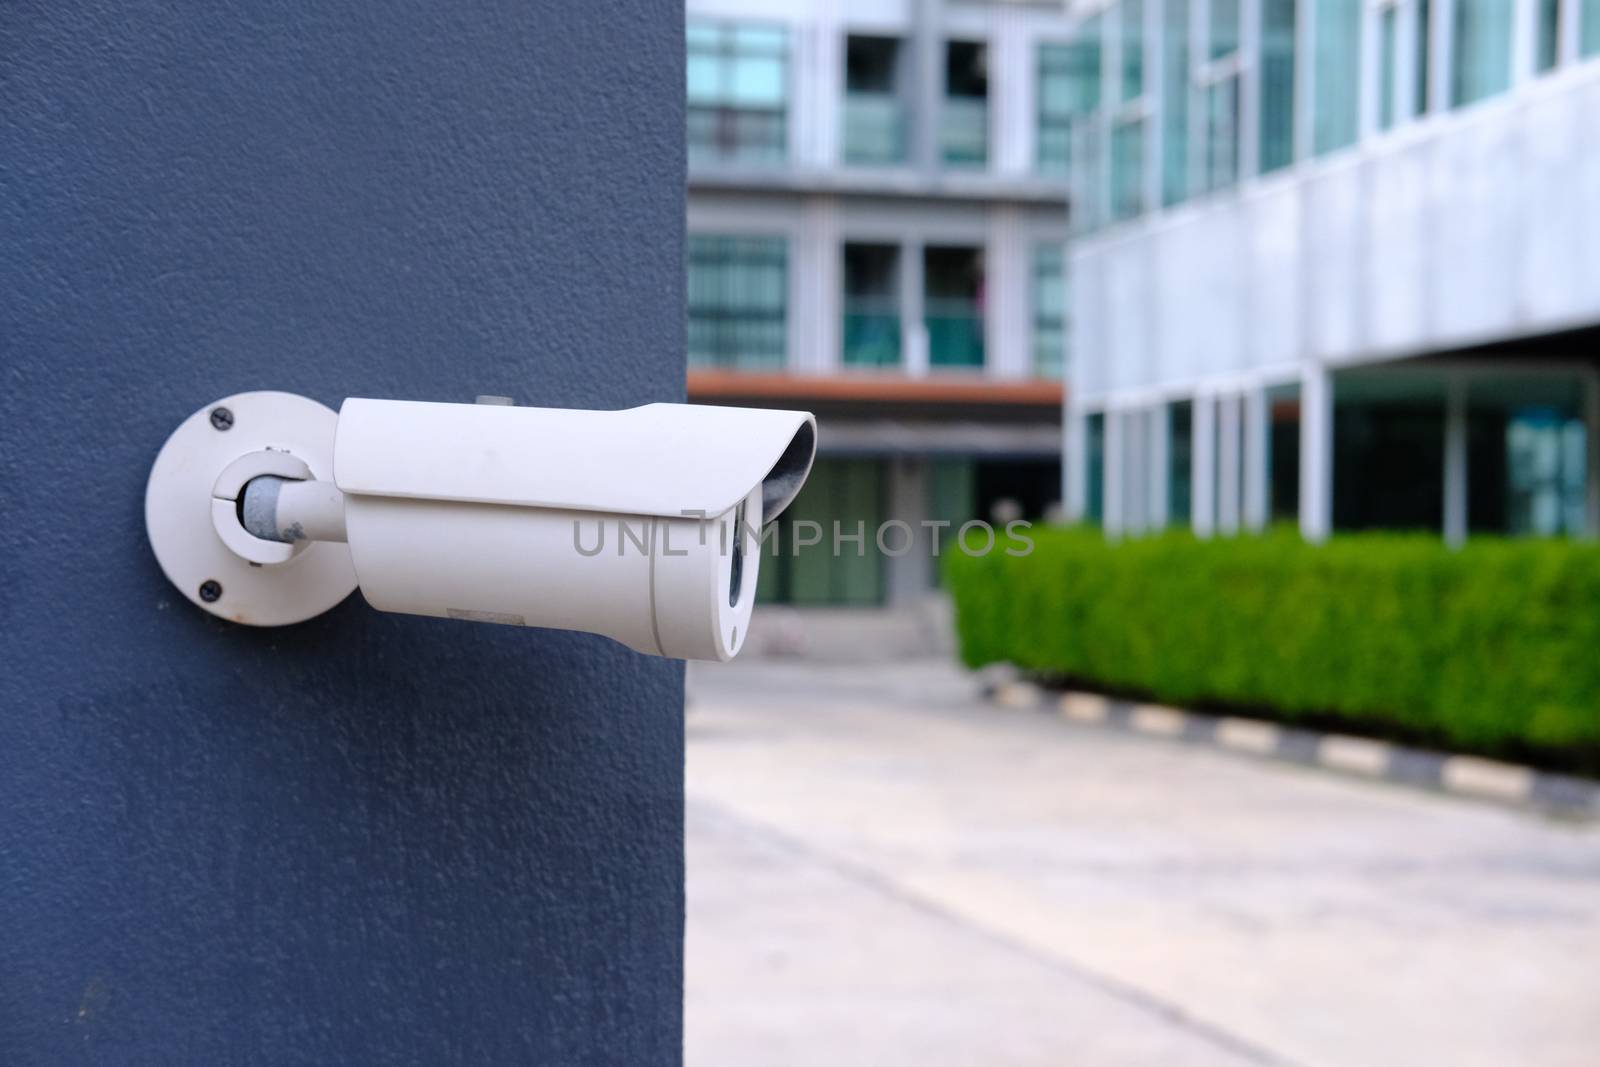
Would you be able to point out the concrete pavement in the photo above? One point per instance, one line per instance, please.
(883, 870)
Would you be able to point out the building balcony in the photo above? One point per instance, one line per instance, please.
(874, 129)
(964, 131)
(742, 137)
(871, 333)
(955, 333)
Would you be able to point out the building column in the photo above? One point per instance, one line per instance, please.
(1012, 108)
(819, 85)
(1257, 458)
(1112, 484)
(1250, 89)
(1441, 53)
(913, 329)
(1567, 36)
(816, 283)
(1158, 466)
(1203, 468)
(1316, 452)
(1134, 439)
(1455, 461)
(1007, 285)
(927, 52)
(1228, 463)
(908, 578)
(1305, 38)
(1524, 39)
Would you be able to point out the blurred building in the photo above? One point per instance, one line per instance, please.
(1336, 262)
(877, 226)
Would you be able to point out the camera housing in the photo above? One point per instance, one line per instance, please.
(641, 524)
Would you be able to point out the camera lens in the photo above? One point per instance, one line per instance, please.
(736, 578)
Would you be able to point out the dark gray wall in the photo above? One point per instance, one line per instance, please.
(368, 838)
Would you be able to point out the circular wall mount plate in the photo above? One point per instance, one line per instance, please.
(189, 512)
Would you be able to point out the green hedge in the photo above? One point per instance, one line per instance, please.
(1494, 647)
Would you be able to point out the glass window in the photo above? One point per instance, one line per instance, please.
(1175, 103)
(1180, 465)
(1388, 28)
(1132, 49)
(1545, 472)
(964, 119)
(841, 497)
(953, 283)
(874, 112)
(1548, 53)
(737, 92)
(871, 305)
(1481, 64)
(1049, 309)
(1094, 456)
(1069, 92)
(1217, 97)
(1589, 28)
(1222, 132)
(1277, 84)
(953, 499)
(1127, 169)
(1337, 66)
(1424, 38)
(1224, 32)
(738, 301)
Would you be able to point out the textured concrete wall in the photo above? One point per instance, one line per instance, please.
(1475, 226)
(368, 838)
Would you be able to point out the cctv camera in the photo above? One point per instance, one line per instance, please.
(643, 525)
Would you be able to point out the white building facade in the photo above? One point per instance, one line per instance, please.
(878, 229)
(1337, 262)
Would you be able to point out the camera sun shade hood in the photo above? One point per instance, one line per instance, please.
(658, 459)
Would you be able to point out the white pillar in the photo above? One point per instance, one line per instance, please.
(1249, 155)
(1134, 439)
(1406, 104)
(1455, 461)
(913, 330)
(1012, 108)
(1228, 463)
(928, 53)
(1441, 49)
(1203, 470)
(1257, 457)
(1154, 87)
(1111, 484)
(1524, 39)
(908, 576)
(819, 87)
(1305, 39)
(816, 285)
(1007, 323)
(1567, 37)
(1316, 452)
(1369, 78)
(1159, 466)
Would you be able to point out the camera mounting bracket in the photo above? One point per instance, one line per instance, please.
(191, 510)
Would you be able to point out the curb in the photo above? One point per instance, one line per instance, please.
(1362, 757)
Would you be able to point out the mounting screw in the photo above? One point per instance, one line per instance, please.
(221, 419)
(211, 589)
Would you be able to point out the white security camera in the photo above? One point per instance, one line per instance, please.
(643, 525)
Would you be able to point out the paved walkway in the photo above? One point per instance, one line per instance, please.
(884, 871)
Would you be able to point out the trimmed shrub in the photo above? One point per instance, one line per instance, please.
(1494, 647)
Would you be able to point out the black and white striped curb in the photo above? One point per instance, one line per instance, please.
(1472, 776)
